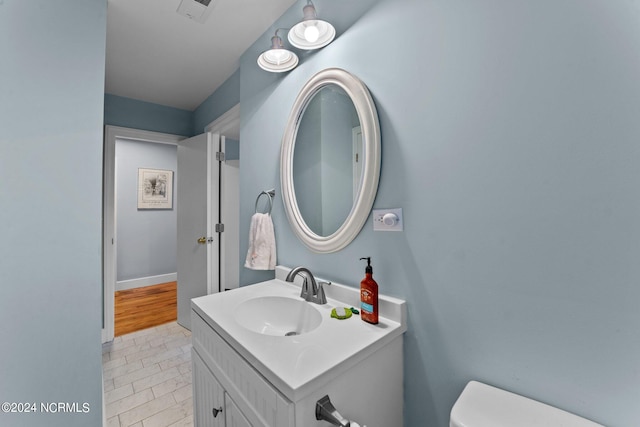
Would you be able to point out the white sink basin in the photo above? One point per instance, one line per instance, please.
(278, 316)
(255, 319)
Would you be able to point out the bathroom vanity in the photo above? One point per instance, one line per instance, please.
(262, 356)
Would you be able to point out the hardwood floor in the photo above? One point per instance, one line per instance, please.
(143, 308)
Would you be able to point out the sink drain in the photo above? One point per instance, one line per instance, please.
(290, 334)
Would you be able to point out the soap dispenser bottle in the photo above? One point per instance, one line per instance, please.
(369, 295)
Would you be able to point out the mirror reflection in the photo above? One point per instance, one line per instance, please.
(327, 160)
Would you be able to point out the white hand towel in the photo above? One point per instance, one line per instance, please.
(262, 243)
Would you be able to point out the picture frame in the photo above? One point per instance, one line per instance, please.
(155, 189)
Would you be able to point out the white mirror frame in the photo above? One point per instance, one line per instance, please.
(363, 202)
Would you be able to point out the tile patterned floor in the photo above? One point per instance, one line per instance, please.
(147, 378)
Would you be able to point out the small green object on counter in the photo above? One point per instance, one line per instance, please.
(341, 313)
(354, 310)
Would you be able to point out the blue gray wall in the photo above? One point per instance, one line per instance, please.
(218, 103)
(134, 114)
(510, 139)
(146, 237)
(51, 116)
(232, 149)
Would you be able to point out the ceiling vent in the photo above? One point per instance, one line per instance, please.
(196, 10)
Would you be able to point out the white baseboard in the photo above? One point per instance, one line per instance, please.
(145, 281)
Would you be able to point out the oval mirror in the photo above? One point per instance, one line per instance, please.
(330, 160)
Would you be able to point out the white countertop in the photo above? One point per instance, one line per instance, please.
(298, 364)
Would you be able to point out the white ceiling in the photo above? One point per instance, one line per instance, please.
(156, 55)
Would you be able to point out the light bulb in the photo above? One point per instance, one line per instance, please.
(277, 56)
(311, 33)
(277, 59)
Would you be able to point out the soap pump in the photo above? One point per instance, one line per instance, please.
(369, 295)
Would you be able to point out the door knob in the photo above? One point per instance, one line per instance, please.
(202, 240)
(216, 411)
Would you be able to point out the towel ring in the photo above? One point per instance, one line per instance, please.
(270, 194)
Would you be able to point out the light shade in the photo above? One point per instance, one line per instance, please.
(311, 33)
(277, 59)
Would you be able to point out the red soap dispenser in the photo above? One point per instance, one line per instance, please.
(369, 295)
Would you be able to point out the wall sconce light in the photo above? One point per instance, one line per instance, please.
(277, 59)
(311, 33)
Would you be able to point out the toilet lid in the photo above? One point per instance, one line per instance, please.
(481, 405)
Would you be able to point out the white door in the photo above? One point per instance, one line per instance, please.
(197, 211)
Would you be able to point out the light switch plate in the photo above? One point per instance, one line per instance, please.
(387, 220)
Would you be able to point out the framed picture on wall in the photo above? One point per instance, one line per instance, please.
(155, 189)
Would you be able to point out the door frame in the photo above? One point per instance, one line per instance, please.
(226, 122)
(109, 238)
(226, 125)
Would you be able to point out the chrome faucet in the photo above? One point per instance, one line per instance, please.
(311, 290)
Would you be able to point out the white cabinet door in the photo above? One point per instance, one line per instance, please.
(208, 396)
(234, 416)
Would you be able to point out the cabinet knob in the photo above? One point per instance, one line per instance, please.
(216, 411)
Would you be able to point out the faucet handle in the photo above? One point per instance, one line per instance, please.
(304, 291)
(320, 297)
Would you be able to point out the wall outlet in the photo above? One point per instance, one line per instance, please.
(387, 220)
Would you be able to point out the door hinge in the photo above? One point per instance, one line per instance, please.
(219, 228)
(220, 156)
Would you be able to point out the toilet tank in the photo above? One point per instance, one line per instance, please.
(481, 405)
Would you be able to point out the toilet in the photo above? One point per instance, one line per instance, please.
(482, 405)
